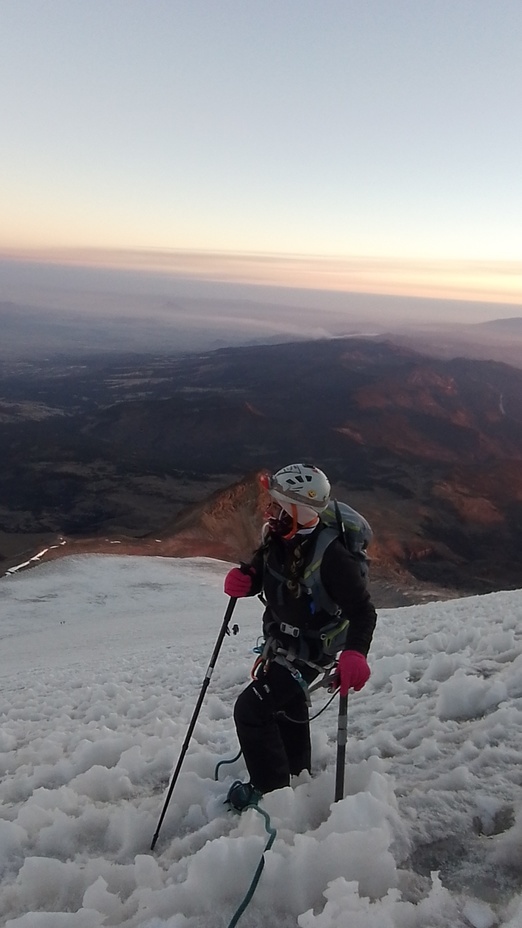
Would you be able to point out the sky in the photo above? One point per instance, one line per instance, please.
(357, 146)
(101, 664)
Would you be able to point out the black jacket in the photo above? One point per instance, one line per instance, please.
(288, 602)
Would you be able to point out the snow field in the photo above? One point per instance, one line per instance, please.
(102, 662)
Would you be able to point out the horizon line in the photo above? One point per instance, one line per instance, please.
(492, 281)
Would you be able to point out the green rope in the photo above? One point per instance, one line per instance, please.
(221, 762)
(272, 833)
(252, 888)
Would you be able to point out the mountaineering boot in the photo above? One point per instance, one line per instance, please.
(243, 796)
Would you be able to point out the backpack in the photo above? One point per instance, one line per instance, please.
(354, 530)
(340, 521)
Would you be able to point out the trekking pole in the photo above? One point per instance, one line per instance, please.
(342, 718)
(342, 729)
(212, 663)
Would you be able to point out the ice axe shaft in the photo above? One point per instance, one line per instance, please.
(212, 663)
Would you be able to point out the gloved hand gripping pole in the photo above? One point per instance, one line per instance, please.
(212, 663)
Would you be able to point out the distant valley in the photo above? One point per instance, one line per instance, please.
(147, 448)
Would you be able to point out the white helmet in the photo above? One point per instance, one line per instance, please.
(301, 489)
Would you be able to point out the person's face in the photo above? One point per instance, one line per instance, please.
(278, 519)
(273, 510)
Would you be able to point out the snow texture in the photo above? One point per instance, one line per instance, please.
(102, 661)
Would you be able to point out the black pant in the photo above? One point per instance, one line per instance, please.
(274, 747)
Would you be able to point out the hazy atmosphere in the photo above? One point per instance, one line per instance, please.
(362, 147)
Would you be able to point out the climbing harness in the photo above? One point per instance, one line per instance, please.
(271, 651)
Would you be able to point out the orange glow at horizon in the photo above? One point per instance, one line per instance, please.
(480, 281)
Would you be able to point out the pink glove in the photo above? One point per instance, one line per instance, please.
(352, 671)
(238, 582)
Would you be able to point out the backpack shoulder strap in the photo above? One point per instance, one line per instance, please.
(312, 573)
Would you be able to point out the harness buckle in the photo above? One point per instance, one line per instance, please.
(291, 630)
